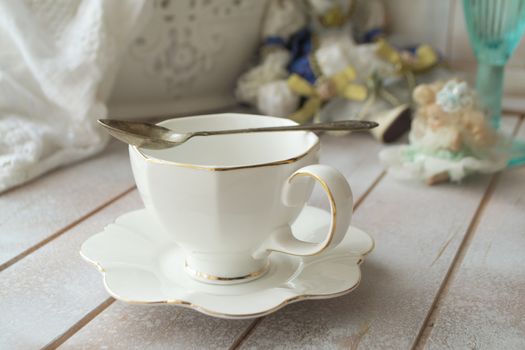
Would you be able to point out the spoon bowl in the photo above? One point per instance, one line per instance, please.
(145, 135)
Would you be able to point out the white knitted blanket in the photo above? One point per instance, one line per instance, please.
(58, 59)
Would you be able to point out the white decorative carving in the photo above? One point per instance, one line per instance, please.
(183, 39)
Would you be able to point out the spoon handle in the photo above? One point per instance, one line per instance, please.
(353, 125)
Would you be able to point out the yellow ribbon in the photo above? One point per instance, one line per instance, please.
(424, 58)
(333, 17)
(343, 88)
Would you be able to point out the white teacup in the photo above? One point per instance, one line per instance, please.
(228, 201)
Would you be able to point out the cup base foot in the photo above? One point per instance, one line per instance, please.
(212, 279)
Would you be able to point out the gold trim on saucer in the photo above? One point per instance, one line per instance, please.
(206, 311)
(97, 265)
(205, 276)
(243, 316)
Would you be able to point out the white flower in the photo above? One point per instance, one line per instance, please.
(454, 96)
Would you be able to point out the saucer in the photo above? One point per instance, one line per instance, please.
(141, 264)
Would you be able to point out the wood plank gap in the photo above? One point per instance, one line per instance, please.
(428, 323)
(61, 339)
(513, 112)
(367, 192)
(57, 234)
(251, 328)
(426, 328)
(245, 334)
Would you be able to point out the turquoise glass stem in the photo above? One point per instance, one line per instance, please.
(517, 153)
(495, 28)
(489, 86)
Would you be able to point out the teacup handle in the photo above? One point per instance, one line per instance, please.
(341, 204)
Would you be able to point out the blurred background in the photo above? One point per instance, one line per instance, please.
(65, 64)
(188, 57)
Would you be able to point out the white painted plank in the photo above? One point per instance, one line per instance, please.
(484, 307)
(121, 326)
(42, 207)
(46, 293)
(418, 230)
(125, 326)
(353, 155)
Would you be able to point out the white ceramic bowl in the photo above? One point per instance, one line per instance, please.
(188, 58)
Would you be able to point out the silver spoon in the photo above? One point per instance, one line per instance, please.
(151, 136)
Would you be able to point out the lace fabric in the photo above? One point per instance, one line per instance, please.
(57, 66)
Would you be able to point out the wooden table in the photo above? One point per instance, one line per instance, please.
(448, 270)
